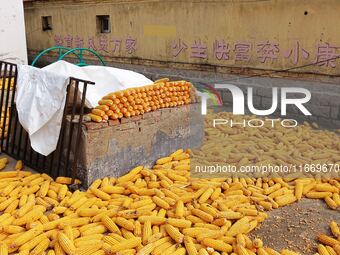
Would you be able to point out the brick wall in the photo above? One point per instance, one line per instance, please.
(114, 148)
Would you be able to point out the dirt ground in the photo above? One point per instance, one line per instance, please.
(296, 226)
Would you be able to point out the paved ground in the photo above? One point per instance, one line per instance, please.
(11, 164)
(296, 226)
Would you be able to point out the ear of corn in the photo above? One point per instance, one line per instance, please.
(327, 240)
(147, 232)
(126, 244)
(41, 247)
(3, 249)
(19, 165)
(66, 244)
(218, 245)
(335, 229)
(66, 180)
(33, 242)
(96, 118)
(174, 233)
(26, 236)
(110, 225)
(124, 223)
(89, 250)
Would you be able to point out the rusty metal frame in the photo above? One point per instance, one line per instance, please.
(63, 161)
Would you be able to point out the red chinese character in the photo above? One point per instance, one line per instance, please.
(58, 40)
(90, 44)
(221, 50)
(242, 51)
(130, 45)
(326, 55)
(199, 50)
(69, 41)
(295, 53)
(78, 42)
(267, 51)
(103, 44)
(177, 47)
(116, 45)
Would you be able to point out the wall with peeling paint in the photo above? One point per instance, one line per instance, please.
(12, 32)
(198, 34)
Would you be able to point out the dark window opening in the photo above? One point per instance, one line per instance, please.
(103, 23)
(46, 23)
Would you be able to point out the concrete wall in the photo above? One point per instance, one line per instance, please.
(12, 32)
(324, 104)
(221, 36)
(114, 148)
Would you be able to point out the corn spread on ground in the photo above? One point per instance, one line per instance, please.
(278, 145)
(151, 211)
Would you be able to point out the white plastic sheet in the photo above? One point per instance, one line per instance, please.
(41, 95)
(40, 101)
(107, 79)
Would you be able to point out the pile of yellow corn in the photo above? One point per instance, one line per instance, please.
(147, 211)
(136, 101)
(330, 245)
(3, 123)
(7, 82)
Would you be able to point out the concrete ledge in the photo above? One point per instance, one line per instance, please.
(114, 148)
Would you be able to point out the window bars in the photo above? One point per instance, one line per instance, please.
(15, 140)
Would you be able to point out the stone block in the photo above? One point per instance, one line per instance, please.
(117, 148)
(264, 92)
(114, 122)
(335, 112)
(94, 125)
(320, 111)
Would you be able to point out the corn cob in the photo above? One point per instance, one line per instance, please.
(110, 224)
(327, 240)
(66, 244)
(3, 249)
(26, 236)
(147, 232)
(174, 233)
(334, 228)
(126, 244)
(41, 247)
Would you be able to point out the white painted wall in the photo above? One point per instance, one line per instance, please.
(12, 32)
